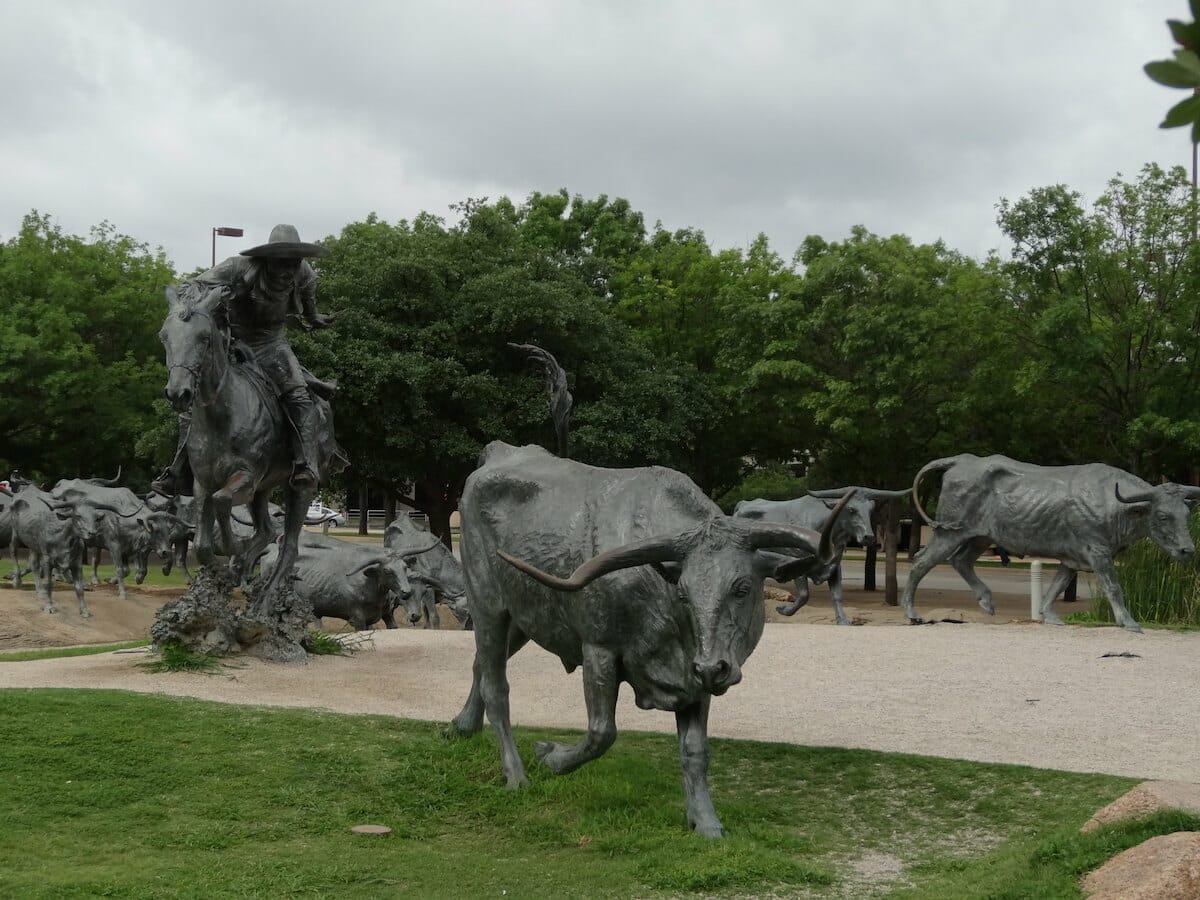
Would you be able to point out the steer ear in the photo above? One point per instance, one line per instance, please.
(372, 571)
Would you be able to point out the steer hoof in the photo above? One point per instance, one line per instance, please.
(708, 829)
(787, 609)
(85, 614)
(1052, 619)
(916, 620)
(550, 755)
(1132, 626)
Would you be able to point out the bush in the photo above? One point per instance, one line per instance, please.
(771, 482)
(1157, 589)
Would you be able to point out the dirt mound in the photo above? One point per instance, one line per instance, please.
(23, 625)
(1166, 867)
(1146, 799)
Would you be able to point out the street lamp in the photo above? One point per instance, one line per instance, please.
(224, 231)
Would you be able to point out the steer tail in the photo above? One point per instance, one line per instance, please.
(938, 465)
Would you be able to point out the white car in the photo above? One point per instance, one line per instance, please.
(318, 514)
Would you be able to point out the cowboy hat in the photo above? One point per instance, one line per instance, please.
(285, 243)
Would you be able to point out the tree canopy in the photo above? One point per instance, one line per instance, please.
(853, 361)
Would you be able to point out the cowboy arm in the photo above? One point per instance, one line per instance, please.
(226, 274)
(306, 292)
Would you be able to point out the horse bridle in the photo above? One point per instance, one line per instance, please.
(195, 372)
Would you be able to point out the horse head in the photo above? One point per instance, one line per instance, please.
(195, 335)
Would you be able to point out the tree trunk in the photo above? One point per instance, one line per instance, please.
(363, 499)
(891, 541)
(914, 530)
(433, 500)
(389, 508)
(869, 568)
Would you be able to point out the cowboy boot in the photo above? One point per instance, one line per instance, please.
(301, 412)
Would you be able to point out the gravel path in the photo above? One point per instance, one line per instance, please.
(1034, 695)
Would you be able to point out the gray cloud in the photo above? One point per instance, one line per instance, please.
(788, 118)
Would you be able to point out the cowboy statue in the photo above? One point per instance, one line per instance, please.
(262, 287)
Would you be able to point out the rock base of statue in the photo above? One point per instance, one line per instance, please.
(207, 620)
(277, 634)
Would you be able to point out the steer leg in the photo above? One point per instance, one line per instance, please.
(491, 658)
(43, 582)
(470, 719)
(601, 685)
(939, 549)
(1061, 579)
(76, 569)
(964, 564)
(119, 568)
(692, 724)
(801, 598)
(1107, 575)
(95, 566)
(835, 591)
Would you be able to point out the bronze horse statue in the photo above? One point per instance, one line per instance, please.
(238, 439)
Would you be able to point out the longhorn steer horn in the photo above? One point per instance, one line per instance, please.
(772, 534)
(373, 561)
(664, 548)
(1139, 497)
(876, 494)
(830, 493)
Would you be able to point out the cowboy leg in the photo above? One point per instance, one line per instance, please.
(282, 367)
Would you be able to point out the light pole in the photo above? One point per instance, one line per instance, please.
(224, 231)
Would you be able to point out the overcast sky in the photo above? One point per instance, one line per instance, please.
(791, 118)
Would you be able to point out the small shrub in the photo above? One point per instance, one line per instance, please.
(771, 482)
(174, 657)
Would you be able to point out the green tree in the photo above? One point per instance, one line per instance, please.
(1108, 312)
(80, 361)
(425, 312)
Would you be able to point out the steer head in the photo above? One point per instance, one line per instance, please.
(719, 567)
(162, 530)
(854, 524)
(1167, 507)
(389, 571)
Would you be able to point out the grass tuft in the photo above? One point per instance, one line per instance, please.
(174, 657)
(321, 643)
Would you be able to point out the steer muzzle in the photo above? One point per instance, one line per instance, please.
(1184, 553)
(717, 675)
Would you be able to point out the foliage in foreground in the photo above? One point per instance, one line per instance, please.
(130, 795)
(1157, 590)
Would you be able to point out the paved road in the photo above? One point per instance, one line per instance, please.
(1001, 580)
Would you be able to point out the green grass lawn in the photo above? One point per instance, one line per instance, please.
(123, 795)
(154, 575)
(54, 652)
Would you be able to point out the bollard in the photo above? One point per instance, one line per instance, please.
(1035, 590)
